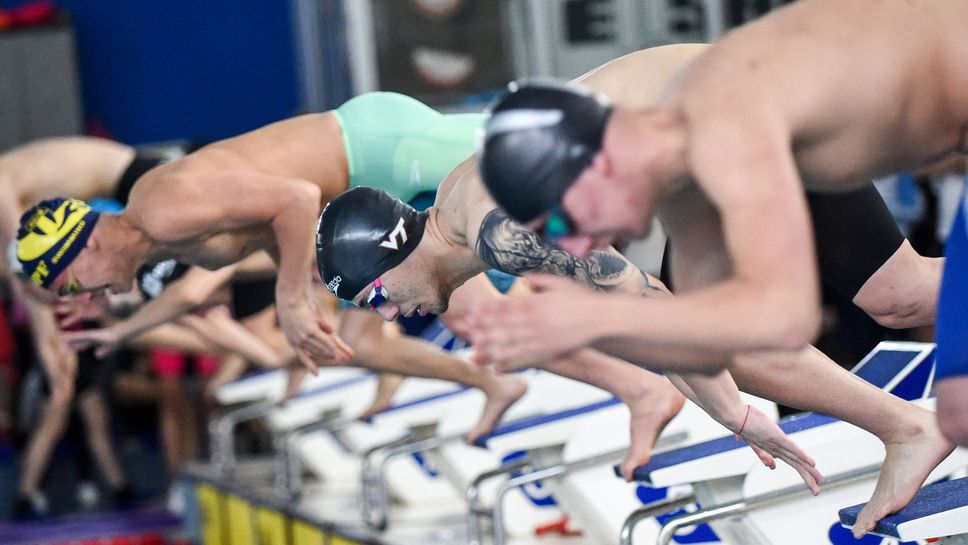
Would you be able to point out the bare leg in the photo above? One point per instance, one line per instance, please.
(404, 355)
(53, 422)
(913, 442)
(97, 424)
(652, 399)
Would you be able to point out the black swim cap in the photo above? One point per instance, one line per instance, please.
(362, 234)
(538, 140)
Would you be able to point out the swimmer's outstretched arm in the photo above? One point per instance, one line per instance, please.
(186, 294)
(217, 326)
(719, 397)
(245, 200)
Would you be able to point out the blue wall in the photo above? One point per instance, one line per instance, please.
(155, 70)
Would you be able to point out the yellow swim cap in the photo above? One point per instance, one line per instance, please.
(51, 235)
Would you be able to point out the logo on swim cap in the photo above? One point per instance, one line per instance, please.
(538, 140)
(333, 285)
(391, 240)
(50, 237)
(362, 234)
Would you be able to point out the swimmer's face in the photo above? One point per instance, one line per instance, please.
(601, 211)
(92, 272)
(410, 290)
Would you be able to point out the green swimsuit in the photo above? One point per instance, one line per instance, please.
(398, 144)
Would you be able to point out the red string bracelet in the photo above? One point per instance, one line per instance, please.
(740, 432)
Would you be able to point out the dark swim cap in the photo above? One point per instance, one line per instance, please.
(538, 140)
(51, 235)
(362, 234)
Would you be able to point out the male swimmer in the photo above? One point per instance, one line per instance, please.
(722, 160)
(260, 191)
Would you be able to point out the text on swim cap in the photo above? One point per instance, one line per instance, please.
(333, 284)
(391, 241)
(47, 228)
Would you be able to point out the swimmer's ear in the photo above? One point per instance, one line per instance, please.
(601, 164)
(92, 243)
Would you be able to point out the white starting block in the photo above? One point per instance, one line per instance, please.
(748, 504)
(271, 385)
(253, 397)
(335, 455)
(587, 489)
(937, 511)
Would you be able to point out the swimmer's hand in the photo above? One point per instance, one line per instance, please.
(769, 443)
(294, 380)
(106, 340)
(88, 306)
(311, 335)
(520, 331)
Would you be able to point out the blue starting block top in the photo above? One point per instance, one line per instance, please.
(540, 419)
(423, 400)
(902, 368)
(712, 447)
(941, 507)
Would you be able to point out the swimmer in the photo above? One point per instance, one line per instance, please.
(722, 159)
(260, 191)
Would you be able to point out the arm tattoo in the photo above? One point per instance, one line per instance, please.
(510, 247)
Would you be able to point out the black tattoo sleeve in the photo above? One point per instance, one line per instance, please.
(510, 247)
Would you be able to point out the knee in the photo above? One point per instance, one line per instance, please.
(900, 314)
(907, 297)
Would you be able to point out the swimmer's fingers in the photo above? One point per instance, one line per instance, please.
(339, 347)
(810, 475)
(297, 374)
(763, 455)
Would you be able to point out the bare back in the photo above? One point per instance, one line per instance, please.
(78, 166)
(307, 148)
(863, 88)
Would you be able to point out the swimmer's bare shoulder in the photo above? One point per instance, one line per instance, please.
(456, 198)
(637, 80)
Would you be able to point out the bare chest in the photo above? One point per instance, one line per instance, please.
(220, 249)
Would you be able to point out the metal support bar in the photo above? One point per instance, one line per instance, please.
(556, 471)
(221, 432)
(288, 468)
(374, 507)
(474, 508)
(749, 504)
(652, 510)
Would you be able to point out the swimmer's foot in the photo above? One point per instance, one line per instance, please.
(908, 461)
(386, 388)
(506, 390)
(652, 408)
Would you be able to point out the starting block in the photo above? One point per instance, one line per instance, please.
(938, 510)
(749, 504)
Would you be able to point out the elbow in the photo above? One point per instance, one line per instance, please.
(309, 194)
(791, 324)
(800, 326)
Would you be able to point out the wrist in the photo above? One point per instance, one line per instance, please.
(738, 418)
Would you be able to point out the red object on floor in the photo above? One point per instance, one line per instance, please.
(559, 527)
